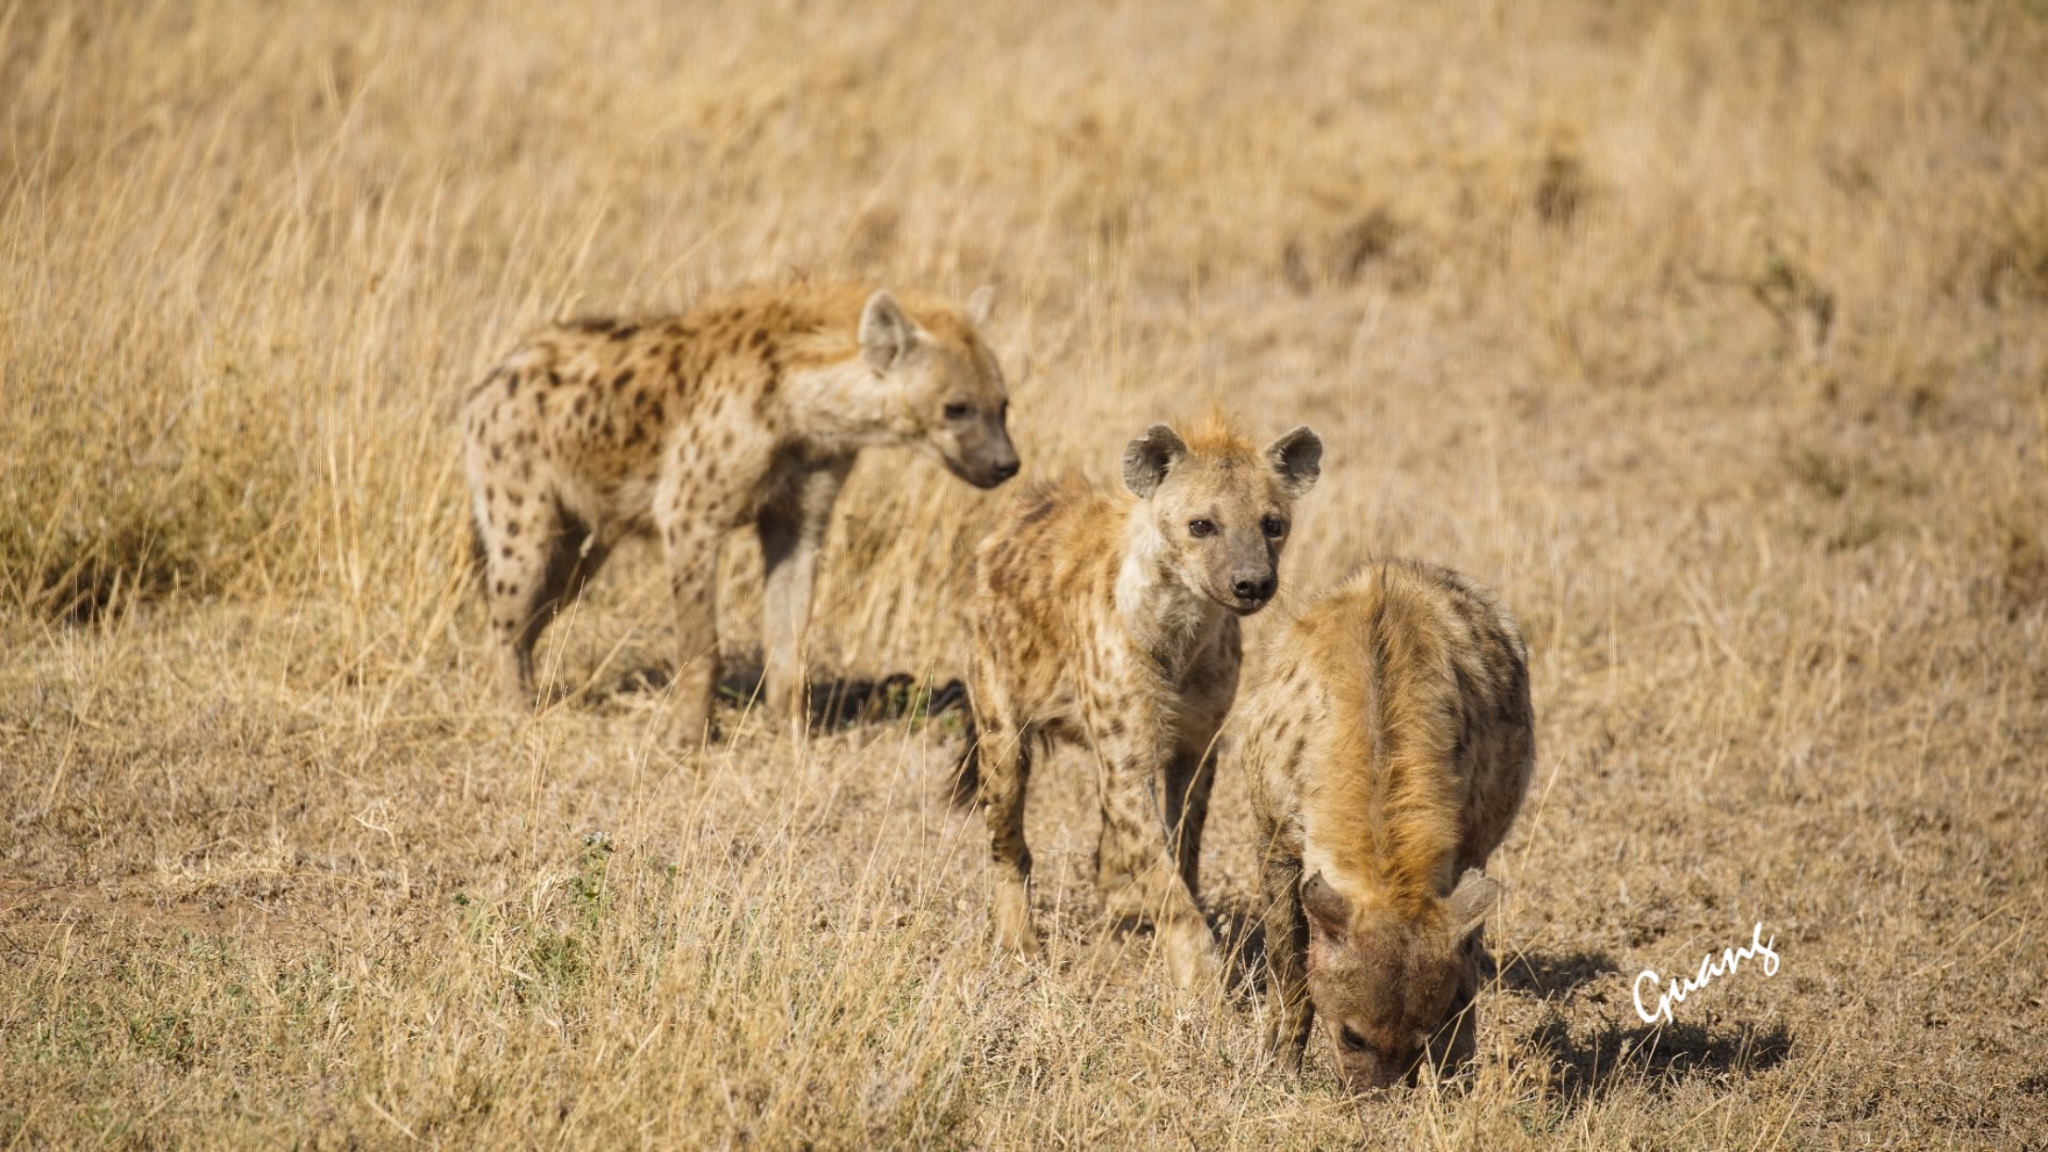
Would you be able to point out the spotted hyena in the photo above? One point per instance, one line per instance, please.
(748, 409)
(1113, 621)
(1388, 741)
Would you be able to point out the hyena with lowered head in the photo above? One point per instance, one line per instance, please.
(1389, 740)
(748, 409)
(1112, 620)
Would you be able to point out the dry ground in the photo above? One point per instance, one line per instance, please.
(1715, 338)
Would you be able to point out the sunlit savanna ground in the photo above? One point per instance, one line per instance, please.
(1715, 337)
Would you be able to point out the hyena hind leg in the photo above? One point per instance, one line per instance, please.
(537, 560)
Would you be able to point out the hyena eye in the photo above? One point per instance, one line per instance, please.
(1274, 527)
(1201, 528)
(956, 411)
(1352, 1041)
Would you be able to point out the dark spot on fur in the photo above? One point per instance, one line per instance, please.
(511, 385)
(506, 551)
(497, 453)
(659, 414)
(512, 528)
(620, 381)
(1038, 511)
(626, 333)
(760, 339)
(582, 402)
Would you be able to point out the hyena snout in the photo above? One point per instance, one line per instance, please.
(1248, 584)
(985, 456)
(1253, 588)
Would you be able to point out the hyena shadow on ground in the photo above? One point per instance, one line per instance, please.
(1544, 975)
(835, 702)
(1657, 1056)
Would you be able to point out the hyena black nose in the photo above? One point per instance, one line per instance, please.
(1254, 589)
(1007, 469)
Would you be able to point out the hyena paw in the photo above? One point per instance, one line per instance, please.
(1191, 956)
(1282, 1045)
(1014, 932)
(690, 728)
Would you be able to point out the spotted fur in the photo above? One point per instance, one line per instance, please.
(748, 409)
(1111, 620)
(1388, 742)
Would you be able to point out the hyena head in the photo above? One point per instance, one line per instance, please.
(1391, 988)
(1222, 507)
(945, 388)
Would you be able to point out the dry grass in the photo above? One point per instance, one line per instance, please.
(1715, 338)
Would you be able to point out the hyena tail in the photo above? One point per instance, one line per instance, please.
(965, 787)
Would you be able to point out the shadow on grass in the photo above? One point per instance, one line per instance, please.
(1654, 1056)
(835, 703)
(1544, 975)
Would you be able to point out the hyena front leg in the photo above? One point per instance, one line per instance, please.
(1286, 955)
(1191, 773)
(1134, 856)
(792, 529)
(1004, 764)
(1189, 777)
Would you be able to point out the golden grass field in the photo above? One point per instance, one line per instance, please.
(1714, 337)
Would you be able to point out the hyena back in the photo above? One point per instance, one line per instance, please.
(1389, 741)
(1112, 621)
(748, 409)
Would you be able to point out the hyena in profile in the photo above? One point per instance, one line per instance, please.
(748, 409)
(1389, 740)
(1113, 622)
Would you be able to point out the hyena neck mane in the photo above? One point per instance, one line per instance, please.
(1382, 778)
(1162, 615)
(845, 406)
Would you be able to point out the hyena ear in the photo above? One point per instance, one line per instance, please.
(1326, 907)
(981, 305)
(1147, 459)
(886, 333)
(1474, 897)
(1298, 458)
